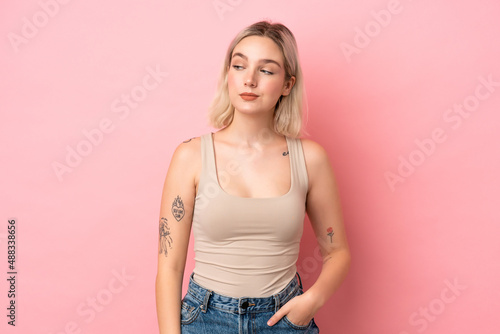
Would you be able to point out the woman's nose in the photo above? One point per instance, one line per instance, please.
(250, 79)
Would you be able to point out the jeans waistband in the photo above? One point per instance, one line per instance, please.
(243, 305)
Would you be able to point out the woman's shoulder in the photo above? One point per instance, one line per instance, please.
(314, 153)
(187, 152)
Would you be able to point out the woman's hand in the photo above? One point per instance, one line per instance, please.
(299, 310)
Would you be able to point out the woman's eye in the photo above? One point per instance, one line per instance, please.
(237, 67)
(267, 72)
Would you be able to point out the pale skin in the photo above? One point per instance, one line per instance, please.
(264, 172)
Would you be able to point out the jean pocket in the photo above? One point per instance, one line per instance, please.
(190, 309)
(294, 326)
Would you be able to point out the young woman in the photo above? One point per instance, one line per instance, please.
(244, 190)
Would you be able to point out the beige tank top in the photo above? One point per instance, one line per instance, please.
(247, 247)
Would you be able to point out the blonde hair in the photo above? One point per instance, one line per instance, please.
(288, 109)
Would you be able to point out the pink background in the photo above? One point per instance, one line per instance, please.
(66, 72)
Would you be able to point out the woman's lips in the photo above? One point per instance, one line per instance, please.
(248, 96)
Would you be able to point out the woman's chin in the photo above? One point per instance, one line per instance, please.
(249, 109)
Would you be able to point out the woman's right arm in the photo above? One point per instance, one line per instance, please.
(175, 220)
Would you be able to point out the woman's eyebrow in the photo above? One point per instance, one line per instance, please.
(239, 54)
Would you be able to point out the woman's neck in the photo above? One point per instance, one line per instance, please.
(251, 129)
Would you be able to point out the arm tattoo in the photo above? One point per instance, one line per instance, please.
(285, 153)
(187, 141)
(178, 208)
(329, 232)
(165, 238)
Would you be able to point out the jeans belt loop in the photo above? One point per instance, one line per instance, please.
(300, 280)
(204, 307)
(276, 302)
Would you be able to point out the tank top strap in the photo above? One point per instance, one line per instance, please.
(298, 162)
(207, 157)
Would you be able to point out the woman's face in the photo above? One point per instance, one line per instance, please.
(256, 67)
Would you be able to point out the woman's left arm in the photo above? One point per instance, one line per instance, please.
(325, 213)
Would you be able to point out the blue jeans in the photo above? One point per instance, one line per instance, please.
(204, 311)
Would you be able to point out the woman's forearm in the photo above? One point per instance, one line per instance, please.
(168, 301)
(335, 268)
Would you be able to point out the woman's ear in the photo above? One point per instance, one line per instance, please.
(287, 88)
